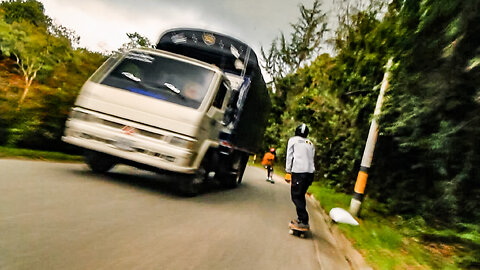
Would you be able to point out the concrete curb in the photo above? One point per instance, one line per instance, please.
(333, 249)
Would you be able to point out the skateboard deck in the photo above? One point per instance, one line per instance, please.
(296, 231)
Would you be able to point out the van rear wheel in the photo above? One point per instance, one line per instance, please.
(233, 179)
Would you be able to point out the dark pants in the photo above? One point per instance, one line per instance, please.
(269, 171)
(300, 184)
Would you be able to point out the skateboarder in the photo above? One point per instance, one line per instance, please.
(299, 162)
(268, 161)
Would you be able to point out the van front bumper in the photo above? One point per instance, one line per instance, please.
(130, 147)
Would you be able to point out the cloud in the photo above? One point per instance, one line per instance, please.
(103, 27)
(102, 24)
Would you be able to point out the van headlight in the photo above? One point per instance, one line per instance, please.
(79, 115)
(184, 143)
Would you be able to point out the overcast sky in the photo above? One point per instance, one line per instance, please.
(102, 24)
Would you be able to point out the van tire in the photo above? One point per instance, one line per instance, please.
(233, 179)
(189, 188)
(98, 162)
(191, 185)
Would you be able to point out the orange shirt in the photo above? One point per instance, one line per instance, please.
(268, 159)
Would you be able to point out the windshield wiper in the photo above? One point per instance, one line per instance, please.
(131, 76)
(174, 89)
(168, 86)
(134, 78)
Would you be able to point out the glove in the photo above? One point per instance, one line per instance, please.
(288, 177)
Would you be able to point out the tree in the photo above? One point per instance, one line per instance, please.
(63, 32)
(135, 40)
(346, 10)
(32, 48)
(286, 56)
(30, 11)
(38, 56)
(432, 113)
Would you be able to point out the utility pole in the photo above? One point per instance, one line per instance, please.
(361, 182)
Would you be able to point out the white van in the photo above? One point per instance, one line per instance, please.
(161, 111)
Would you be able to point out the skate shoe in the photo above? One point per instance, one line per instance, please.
(299, 224)
(294, 221)
(303, 226)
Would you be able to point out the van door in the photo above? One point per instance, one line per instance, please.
(217, 109)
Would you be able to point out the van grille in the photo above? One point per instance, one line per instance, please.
(112, 124)
(139, 131)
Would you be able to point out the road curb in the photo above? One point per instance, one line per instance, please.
(333, 249)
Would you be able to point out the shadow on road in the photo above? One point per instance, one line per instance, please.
(165, 184)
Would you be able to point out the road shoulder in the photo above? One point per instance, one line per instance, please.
(333, 249)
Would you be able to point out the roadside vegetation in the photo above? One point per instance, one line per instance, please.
(396, 242)
(424, 177)
(423, 191)
(6, 152)
(42, 69)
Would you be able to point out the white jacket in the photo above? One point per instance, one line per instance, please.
(300, 154)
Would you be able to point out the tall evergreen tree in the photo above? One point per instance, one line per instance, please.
(286, 56)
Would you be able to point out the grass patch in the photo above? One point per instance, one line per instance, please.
(388, 242)
(37, 155)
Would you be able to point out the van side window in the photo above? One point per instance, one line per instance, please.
(218, 102)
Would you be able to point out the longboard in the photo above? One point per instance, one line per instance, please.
(296, 231)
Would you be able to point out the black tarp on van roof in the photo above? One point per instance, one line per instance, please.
(207, 46)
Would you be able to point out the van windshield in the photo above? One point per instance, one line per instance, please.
(161, 78)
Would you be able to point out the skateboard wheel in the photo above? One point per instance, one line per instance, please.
(290, 232)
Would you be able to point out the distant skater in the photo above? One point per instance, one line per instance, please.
(300, 155)
(268, 161)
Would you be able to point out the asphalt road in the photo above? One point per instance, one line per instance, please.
(62, 216)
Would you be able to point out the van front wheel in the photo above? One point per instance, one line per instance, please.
(98, 162)
(191, 185)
